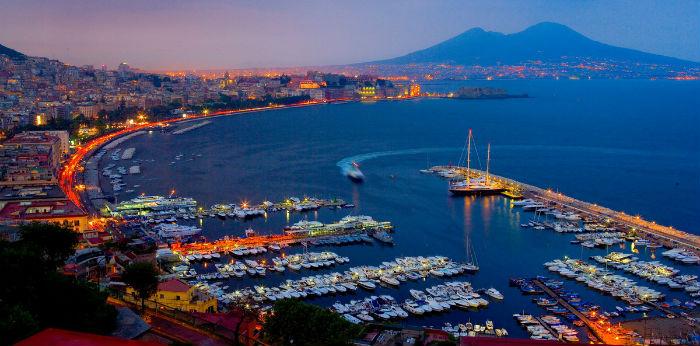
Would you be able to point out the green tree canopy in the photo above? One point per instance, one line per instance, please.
(143, 278)
(37, 296)
(298, 323)
(52, 244)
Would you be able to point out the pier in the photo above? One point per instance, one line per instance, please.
(548, 327)
(191, 127)
(598, 334)
(666, 235)
(230, 244)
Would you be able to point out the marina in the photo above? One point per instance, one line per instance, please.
(390, 274)
(542, 200)
(424, 216)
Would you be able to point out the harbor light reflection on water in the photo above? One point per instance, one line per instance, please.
(286, 160)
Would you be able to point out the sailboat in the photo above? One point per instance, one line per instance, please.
(480, 186)
(472, 266)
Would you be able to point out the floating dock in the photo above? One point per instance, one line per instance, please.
(128, 153)
(230, 244)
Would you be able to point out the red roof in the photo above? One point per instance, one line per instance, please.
(40, 210)
(62, 337)
(32, 138)
(173, 285)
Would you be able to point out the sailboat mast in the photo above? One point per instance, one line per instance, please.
(488, 160)
(469, 152)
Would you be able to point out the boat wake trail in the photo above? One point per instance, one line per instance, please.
(346, 163)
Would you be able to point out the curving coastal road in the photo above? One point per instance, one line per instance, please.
(73, 166)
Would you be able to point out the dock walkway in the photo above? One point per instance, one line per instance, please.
(669, 236)
(598, 334)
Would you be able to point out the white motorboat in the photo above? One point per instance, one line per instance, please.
(494, 293)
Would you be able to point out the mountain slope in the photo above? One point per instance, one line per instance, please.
(13, 54)
(543, 41)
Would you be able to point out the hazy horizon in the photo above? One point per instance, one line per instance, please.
(214, 34)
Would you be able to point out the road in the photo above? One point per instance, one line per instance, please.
(73, 166)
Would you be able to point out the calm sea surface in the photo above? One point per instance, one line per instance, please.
(628, 145)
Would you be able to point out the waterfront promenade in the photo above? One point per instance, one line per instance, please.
(666, 235)
(75, 191)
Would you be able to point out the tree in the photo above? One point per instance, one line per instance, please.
(248, 312)
(143, 278)
(52, 244)
(299, 323)
(38, 296)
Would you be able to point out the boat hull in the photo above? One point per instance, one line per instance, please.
(461, 191)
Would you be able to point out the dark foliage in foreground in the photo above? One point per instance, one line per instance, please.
(35, 295)
(298, 323)
(143, 278)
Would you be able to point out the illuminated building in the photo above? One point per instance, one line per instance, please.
(30, 158)
(89, 110)
(178, 295)
(308, 84)
(40, 119)
(367, 91)
(414, 90)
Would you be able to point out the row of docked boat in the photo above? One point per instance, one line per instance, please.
(154, 208)
(341, 240)
(346, 224)
(251, 267)
(212, 256)
(472, 329)
(530, 204)
(438, 298)
(604, 239)
(561, 330)
(603, 280)
(566, 227)
(594, 236)
(598, 227)
(420, 266)
(369, 309)
(548, 326)
(443, 297)
(682, 255)
(310, 286)
(310, 260)
(241, 251)
(559, 227)
(290, 204)
(173, 230)
(534, 327)
(309, 203)
(653, 271)
(444, 172)
(389, 274)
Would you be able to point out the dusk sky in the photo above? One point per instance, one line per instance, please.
(177, 34)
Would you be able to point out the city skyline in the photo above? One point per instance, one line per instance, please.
(215, 35)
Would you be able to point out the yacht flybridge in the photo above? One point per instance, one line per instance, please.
(475, 186)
